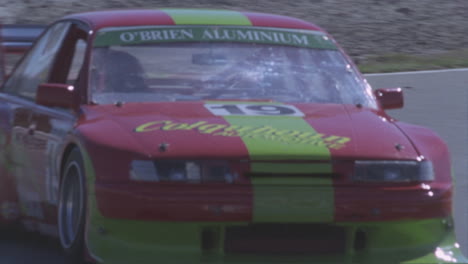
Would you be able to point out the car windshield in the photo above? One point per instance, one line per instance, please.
(173, 64)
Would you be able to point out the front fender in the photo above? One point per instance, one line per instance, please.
(430, 146)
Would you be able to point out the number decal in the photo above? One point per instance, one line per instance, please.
(229, 109)
(253, 110)
(271, 110)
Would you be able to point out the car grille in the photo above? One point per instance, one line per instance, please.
(289, 175)
(285, 239)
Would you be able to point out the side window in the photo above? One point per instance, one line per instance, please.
(77, 61)
(35, 67)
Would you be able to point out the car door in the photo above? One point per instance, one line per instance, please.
(26, 150)
(52, 125)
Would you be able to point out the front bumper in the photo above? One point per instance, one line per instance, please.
(136, 223)
(129, 241)
(273, 203)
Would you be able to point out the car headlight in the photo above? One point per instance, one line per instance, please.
(180, 171)
(393, 171)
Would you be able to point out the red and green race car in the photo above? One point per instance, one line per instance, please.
(181, 135)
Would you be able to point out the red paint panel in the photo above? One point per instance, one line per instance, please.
(373, 136)
(50, 213)
(370, 136)
(431, 146)
(56, 95)
(9, 207)
(356, 203)
(114, 144)
(224, 202)
(176, 202)
(391, 98)
(111, 164)
(183, 143)
(268, 20)
(118, 18)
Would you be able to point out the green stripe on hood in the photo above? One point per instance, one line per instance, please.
(271, 142)
(207, 17)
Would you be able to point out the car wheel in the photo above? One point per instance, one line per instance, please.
(71, 208)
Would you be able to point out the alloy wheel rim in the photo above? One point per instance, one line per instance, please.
(70, 205)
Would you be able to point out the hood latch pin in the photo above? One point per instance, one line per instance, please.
(399, 147)
(163, 147)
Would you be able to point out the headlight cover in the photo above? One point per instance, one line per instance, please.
(180, 171)
(393, 171)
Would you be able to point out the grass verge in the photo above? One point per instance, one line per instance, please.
(405, 62)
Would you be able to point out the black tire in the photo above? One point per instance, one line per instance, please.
(72, 207)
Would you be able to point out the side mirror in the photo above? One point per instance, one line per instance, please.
(56, 95)
(391, 98)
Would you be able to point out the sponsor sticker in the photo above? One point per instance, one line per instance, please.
(145, 35)
(270, 133)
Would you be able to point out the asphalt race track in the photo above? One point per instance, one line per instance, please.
(437, 99)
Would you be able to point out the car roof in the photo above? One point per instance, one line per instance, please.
(179, 16)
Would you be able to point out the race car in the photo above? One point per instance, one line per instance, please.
(193, 135)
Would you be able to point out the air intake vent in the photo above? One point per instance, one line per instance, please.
(285, 239)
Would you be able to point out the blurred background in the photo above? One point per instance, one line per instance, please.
(381, 35)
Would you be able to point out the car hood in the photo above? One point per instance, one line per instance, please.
(192, 130)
